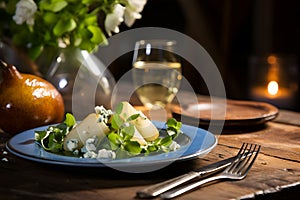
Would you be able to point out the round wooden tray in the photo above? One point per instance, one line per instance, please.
(238, 113)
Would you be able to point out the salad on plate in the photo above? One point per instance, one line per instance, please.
(123, 133)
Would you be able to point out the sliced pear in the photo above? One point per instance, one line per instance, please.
(144, 126)
(137, 137)
(87, 128)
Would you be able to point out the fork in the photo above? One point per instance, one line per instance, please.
(236, 171)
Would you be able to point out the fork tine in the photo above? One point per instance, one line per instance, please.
(243, 162)
(239, 156)
(244, 156)
(250, 160)
(244, 165)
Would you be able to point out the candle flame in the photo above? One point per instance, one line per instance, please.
(273, 88)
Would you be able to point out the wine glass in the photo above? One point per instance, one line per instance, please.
(156, 73)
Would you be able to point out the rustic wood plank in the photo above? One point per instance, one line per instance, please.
(288, 117)
(278, 140)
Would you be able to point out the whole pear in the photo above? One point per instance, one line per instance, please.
(27, 101)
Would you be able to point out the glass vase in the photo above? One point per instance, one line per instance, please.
(82, 79)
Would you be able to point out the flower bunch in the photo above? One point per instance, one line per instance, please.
(36, 24)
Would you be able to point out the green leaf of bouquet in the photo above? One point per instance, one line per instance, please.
(70, 120)
(53, 5)
(90, 20)
(35, 51)
(76, 40)
(50, 17)
(87, 45)
(87, 2)
(47, 36)
(63, 26)
(98, 36)
(21, 36)
(11, 6)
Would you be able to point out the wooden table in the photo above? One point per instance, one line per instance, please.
(275, 174)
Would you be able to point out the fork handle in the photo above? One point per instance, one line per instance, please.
(176, 192)
(159, 188)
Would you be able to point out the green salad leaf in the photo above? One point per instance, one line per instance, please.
(52, 138)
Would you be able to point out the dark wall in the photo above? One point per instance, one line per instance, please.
(230, 30)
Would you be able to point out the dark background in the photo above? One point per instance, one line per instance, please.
(231, 31)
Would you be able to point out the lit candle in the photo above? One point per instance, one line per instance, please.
(271, 83)
(273, 93)
(273, 88)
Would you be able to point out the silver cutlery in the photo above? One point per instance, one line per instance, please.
(202, 172)
(235, 171)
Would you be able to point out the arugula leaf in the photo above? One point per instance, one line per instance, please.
(116, 122)
(166, 141)
(173, 127)
(128, 132)
(115, 140)
(119, 108)
(133, 147)
(152, 148)
(174, 123)
(39, 135)
(70, 120)
(52, 138)
(132, 117)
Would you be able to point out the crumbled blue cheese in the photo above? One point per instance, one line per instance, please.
(76, 152)
(103, 113)
(90, 154)
(90, 144)
(72, 144)
(174, 146)
(90, 150)
(104, 153)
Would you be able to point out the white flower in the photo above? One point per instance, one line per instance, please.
(132, 11)
(25, 10)
(114, 19)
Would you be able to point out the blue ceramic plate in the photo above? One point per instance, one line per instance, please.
(194, 142)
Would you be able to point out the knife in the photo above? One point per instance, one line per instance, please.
(202, 172)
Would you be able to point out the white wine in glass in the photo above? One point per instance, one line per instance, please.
(156, 72)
